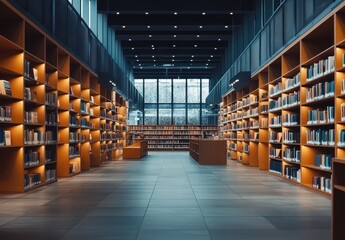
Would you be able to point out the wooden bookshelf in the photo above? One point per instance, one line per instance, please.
(55, 131)
(171, 137)
(208, 152)
(301, 118)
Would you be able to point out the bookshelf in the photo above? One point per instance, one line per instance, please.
(301, 109)
(171, 137)
(55, 131)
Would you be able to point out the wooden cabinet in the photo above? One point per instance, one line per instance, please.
(208, 152)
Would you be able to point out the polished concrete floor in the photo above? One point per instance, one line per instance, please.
(167, 196)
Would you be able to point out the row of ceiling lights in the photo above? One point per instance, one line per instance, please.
(175, 13)
(130, 39)
(148, 26)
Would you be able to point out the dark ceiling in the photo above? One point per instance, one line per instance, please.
(174, 38)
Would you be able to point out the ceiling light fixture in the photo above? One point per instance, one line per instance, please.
(123, 26)
(154, 60)
(174, 45)
(136, 56)
(141, 67)
(152, 45)
(130, 39)
(148, 26)
(153, 48)
(175, 26)
(117, 13)
(174, 35)
(195, 45)
(215, 48)
(197, 36)
(188, 67)
(219, 39)
(200, 26)
(226, 26)
(173, 56)
(191, 60)
(231, 13)
(203, 13)
(150, 35)
(137, 60)
(153, 56)
(211, 56)
(209, 60)
(175, 13)
(132, 48)
(154, 64)
(146, 13)
(192, 56)
(173, 60)
(206, 64)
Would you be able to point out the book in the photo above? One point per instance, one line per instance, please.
(5, 88)
(35, 74)
(7, 138)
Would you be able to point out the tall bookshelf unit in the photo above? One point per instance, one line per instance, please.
(50, 108)
(171, 137)
(301, 109)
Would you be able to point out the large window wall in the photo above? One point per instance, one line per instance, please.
(174, 101)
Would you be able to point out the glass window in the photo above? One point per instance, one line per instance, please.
(179, 86)
(150, 91)
(164, 90)
(164, 114)
(150, 112)
(204, 89)
(193, 87)
(193, 114)
(139, 84)
(179, 114)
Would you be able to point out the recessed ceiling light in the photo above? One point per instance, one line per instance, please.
(211, 56)
(153, 48)
(139, 64)
(197, 36)
(154, 64)
(123, 26)
(173, 64)
(141, 67)
(206, 64)
(174, 45)
(117, 13)
(154, 60)
(175, 26)
(130, 39)
(173, 60)
(219, 39)
(148, 26)
(195, 45)
(209, 60)
(215, 48)
(173, 56)
(203, 13)
(192, 56)
(175, 13)
(206, 67)
(231, 13)
(136, 56)
(153, 56)
(150, 35)
(226, 26)
(191, 60)
(200, 26)
(188, 67)
(152, 45)
(137, 60)
(146, 13)
(174, 35)
(132, 48)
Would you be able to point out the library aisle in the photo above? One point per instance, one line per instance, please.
(167, 196)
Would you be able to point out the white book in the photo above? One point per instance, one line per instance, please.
(7, 138)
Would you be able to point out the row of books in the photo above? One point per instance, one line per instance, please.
(254, 124)
(292, 154)
(319, 116)
(31, 180)
(30, 94)
(51, 137)
(159, 146)
(275, 152)
(264, 122)
(276, 166)
(293, 173)
(5, 114)
(292, 99)
(33, 137)
(342, 111)
(50, 175)
(50, 155)
(31, 117)
(276, 89)
(75, 137)
(320, 91)
(51, 118)
(264, 108)
(291, 119)
(276, 121)
(31, 158)
(274, 136)
(74, 167)
(275, 104)
(83, 107)
(320, 68)
(5, 88)
(320, 137)
(292, 82)
(323, 161)
(74, 151)
(341, 142)
(322, 183)
(51, 99)
(30, 72)
(290, 136)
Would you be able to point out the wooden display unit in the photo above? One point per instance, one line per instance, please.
(55, 131)
(136, 151)
(171, 137)
(208, 152)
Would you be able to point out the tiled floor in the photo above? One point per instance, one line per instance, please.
(167, 196)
